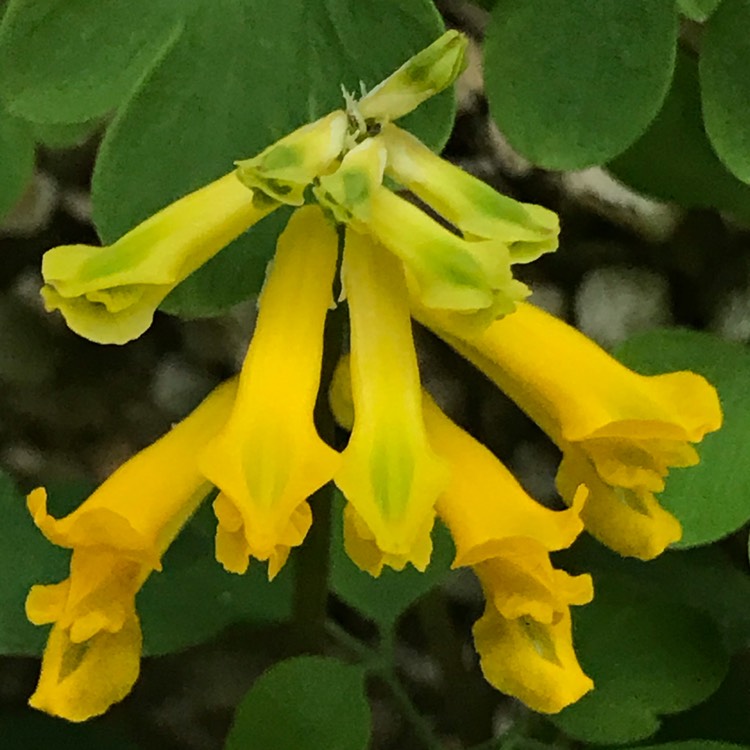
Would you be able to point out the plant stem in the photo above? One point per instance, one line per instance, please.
(380, 664)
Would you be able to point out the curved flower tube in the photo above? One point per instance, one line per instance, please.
(118, 537)
(524, 638)
(476, 209)
(269, 459)
(109, 294)
(619, 431)
(389, 474)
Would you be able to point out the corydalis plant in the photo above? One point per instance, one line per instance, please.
(405, 462)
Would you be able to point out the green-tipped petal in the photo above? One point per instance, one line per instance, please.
(284, 170)
(470, 204)
(109, 294)
(422, 76)
(389, 473)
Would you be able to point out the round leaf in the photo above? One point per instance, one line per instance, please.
(16, 159)
(646, 656)
(711, 499)
(265, 69)
(73, 60)
(673, 160)
(26, 558)
(310, 702)
(725, 85)
(573, 84)
(697, 10)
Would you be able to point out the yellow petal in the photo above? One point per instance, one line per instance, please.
(388, 473)
(534, 662)
(483, 505)
(269, 459)
(445, 270)
(521, 582)
(143, 504)
(118, 536)
(422, 76)
(285, 169)
(629, 521)
(574, 390)
(109, 294)
(619, 431)
(82, 680)
(469, 204)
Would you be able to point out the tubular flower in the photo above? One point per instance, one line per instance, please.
(118, 537)
(389, 474)
(446, 271)
(269, 459)
(524, 638)
(619, 431)
(109, 294)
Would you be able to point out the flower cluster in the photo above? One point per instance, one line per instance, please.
(406, 462)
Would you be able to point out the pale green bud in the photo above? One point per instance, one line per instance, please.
(425, 74)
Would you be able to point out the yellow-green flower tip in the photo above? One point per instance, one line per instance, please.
(109, 294)
(389, 474)
(347, 193)
(285, 169)
(469, 204)
(422, 76)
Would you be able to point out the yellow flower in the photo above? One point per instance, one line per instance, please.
(421, 77)
(447, 271)
(470, 205)
(109, 294)
(389, 474)
(118, 537)
(286, 168)
(524, 638)
(619, 431)
(269, 459)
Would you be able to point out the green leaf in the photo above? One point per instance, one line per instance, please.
(74, 60)
(194, 598)
(26, 558)
(65, 134)
(16, 159)
(265, 69)
(711, 499)
(722, 717)
(310, 702)
(386, 598)
(693, 745)
(725, 85)
(647, 657)
(704, 578)
(674, 160)
(698, 10)
(573, 84)
(29, 730)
